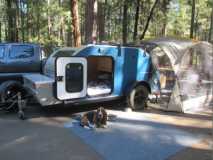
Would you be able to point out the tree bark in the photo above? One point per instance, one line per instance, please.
(27, 22)
(75, 23)
(11, 24)
(38, 20)
(101, 21)
(149, 19)
(6, 33)
(108, 20)
(22, 21)
(211, 28)
(49, 21)
(125, 25)
(17, 17)
(192, 19)
(164, 11)
(135, 34)
(95, 25)
(61, 33)
(0, 31)
(90, 20)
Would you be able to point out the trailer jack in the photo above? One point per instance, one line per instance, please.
(21, 106)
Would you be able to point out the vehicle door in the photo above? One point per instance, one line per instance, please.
(71, 77)
(2, 58)
(22, 58)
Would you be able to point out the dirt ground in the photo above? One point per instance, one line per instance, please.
(37, 135)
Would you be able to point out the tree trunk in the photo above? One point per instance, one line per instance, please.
(11, 24)
(89, 20)
(0, 31)
(196, 26)
(61, 33)
(17, 16)
(49, 21)
(6, 33)
(22, 21)
(192, 19)
(101, 21)
(149, 19)
(135, 34)
(27, 23)
(109, 21)
(75, 23)
(211, 28)
(164, 11)
(38, 20)
(125, 25)
(95, 25)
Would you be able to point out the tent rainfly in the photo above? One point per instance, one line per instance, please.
(183, 70)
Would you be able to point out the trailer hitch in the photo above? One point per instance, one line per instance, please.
(21, 104)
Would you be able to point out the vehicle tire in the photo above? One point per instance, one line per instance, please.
(137, 98)
(8, 90)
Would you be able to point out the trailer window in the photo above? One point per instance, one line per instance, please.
(74, 77)
(2, 49)
(21, 51)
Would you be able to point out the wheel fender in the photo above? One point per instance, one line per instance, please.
(129, 88)
(7, 84)
(133, 85)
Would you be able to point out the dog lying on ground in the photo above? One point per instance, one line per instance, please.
(96, 118)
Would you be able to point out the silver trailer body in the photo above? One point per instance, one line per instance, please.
(42, 88)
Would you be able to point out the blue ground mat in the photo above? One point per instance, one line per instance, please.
(138, 138)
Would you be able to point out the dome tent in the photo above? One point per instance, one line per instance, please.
(184, 70)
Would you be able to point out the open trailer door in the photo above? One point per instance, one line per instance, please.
(71, 77)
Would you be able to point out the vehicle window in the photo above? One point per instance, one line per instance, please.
(74, 77)
(64, 53)
(2, 49)
(21, 51)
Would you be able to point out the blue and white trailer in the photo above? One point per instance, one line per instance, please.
(95, 73)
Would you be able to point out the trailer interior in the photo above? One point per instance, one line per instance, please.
(100, 75)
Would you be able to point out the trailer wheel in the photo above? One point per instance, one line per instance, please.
(8, 92)
(137, 98)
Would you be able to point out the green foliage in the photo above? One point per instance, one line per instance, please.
(50, 23)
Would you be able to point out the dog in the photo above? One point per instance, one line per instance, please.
(93, 119)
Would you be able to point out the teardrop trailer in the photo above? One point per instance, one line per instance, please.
(95, 73)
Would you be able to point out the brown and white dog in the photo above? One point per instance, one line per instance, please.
(96, 118)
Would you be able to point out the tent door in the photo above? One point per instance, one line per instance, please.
(71, 77)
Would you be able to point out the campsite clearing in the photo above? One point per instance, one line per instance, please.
(44, 135)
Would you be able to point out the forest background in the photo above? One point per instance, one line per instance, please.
(77, 22)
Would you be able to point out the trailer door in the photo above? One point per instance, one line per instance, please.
(71, 77)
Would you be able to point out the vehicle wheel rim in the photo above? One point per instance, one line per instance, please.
(10, 98)
(139, 99)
